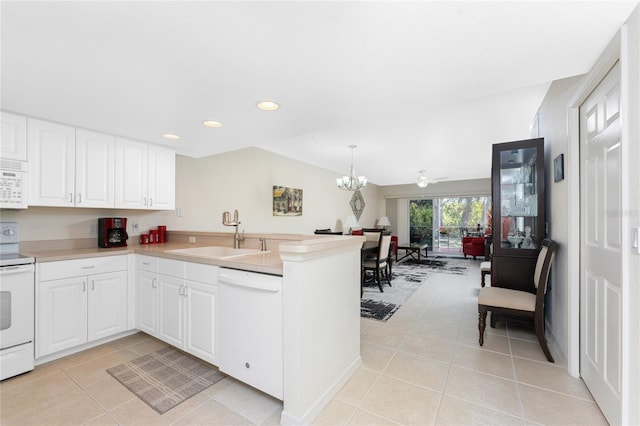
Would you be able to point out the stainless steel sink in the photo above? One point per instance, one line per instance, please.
(216, 252)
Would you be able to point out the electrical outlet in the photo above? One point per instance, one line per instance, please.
(179, 212)
(135, 226)
(93, 229)
(192, 240)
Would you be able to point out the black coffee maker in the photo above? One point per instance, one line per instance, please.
(112, 232)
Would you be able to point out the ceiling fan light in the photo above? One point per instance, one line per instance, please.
(422, 181)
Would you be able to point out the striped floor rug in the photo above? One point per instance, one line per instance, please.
(165, 378)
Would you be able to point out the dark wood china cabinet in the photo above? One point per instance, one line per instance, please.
(518, 228)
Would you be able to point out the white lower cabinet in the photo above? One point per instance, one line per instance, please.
(79, 301)
(177, 303)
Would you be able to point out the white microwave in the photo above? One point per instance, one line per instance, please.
(13, 184)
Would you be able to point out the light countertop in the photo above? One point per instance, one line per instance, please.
(269, 262)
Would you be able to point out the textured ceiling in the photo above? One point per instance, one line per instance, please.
(415, 85)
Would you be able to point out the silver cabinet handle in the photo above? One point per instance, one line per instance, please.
(150, 202)
(145, 201)
(84, 286)
(89, 267)
(78, 198)
(153, 284)
(71, 197)
(93, 285)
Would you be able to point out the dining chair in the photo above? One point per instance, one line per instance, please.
(378, 264)
(485, 269)
(500, 300)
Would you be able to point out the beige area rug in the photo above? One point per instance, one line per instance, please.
(165, 378)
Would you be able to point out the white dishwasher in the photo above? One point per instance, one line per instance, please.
(250, 329)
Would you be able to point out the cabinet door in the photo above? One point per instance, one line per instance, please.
(51, 164)
(201, 318)
(62, 314)
(107, 301)
(13, 145)
(95, 169)
(171, 310)
(131, 174)
(162, 178)
(147, 302)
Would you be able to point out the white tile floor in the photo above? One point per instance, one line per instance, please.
(421, 367)
(424, 366)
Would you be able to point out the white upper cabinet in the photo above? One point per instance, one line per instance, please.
(13, 145)
(162, 178)
(70, 168)
(95, 169)
(52, 149)
(145, 176)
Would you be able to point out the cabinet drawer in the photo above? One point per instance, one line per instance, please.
(81, 267)
(147, 263)
(172, 268)
(199, 272)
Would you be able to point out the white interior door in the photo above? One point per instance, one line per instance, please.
(600, 246)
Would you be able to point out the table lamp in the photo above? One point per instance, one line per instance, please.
(350, 222)
(383, 222)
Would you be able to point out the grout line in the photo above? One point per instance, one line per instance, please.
(515, 378)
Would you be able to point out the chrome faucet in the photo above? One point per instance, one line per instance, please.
(227, 221)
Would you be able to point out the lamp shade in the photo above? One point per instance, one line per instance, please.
(384, 221)
(350, 222)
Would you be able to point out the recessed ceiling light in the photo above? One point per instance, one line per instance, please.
(267, 105)
(170, 136)
(212, 123)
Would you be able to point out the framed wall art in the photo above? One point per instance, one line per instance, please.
(287, 201)
(558, 168)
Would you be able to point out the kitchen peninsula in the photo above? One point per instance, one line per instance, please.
(320, 301)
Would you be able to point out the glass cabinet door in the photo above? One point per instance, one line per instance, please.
(518, 196)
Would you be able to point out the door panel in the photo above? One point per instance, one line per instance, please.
(600, 247)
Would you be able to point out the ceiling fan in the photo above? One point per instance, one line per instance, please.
(423, 180)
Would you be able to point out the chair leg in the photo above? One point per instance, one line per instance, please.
(543, 341)
(378, 280)
(482, 323)
(483, 274)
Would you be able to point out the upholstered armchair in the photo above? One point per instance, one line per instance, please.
(473, 246)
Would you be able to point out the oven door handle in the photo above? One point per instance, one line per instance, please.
(18, 269)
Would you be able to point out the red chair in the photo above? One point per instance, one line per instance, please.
(473, 246)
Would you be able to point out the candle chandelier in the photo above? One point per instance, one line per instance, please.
(351, 182)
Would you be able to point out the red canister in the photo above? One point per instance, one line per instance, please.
(144, 238)
(162, 234)
(153, 238)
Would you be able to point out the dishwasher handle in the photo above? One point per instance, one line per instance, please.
(271, 284)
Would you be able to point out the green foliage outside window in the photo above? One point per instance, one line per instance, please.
(455, 213)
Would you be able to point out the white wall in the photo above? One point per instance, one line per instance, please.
(553, 127)
(208, 186)
(244, 180)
